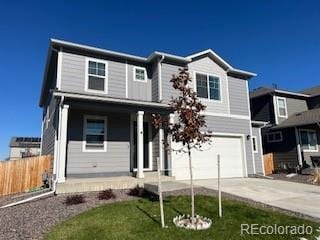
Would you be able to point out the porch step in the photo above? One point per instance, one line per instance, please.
(166, 186)
(77, 185)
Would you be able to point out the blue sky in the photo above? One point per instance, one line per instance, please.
(279, 40)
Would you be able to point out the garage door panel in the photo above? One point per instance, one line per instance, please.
(205, 162)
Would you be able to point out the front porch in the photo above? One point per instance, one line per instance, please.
(73, 185)
(107, 142)
(302, 131)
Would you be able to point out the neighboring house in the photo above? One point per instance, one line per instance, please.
(97, 108)
(22, 147)
(292, 134)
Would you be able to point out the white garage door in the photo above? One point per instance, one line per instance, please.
(205, 162)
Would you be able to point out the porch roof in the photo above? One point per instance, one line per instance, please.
(301, 119)
(94, 97)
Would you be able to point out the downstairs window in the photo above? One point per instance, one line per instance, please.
(309, 140)
(95, 134)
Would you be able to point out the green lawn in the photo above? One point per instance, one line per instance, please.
(140, 220)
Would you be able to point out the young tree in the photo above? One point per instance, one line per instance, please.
(187, 131)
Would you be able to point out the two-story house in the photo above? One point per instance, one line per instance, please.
(22, 147)
(97, 107)
(292, 133)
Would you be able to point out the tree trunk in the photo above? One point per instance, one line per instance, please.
(191, 184)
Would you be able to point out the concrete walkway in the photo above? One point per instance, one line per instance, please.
(297, 197)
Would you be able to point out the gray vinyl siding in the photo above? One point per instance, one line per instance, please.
(155, 82)
(307, 155)
(115, 159)
(48, 136)
(294, 106)
(73, 75)
(285, 152)
(167, 70)
(233, 126)
(238, 96)
(208, 66)
(139, 90)
(258, 155)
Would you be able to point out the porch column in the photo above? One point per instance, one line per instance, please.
(140, 143)
(298, 145)
(64, 109)
(171, 121)
(161, 148)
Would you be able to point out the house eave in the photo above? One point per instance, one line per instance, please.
(83, 96)
(258, 123)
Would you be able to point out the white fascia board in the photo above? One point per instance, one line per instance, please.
(291, 93)
(210, 51)
(100, 50)
(167, 55)
(234, 70)
(259, 123)
(109, 99)
(228, 66)
(118, 54)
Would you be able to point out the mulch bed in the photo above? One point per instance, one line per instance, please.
(33, 219)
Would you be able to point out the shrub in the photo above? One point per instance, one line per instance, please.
(141, 192)
(106, 195)
(75, 199)
(137, 191)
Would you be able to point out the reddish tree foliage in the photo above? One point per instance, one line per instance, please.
(187, 130)
(188, 107)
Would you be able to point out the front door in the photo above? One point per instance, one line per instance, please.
(146, 164)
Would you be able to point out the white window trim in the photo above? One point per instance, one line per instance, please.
(254, 139)
(84, 142)
(310, 131)
(86, 89)
(285, 104)
(208, 74)
(145, 74)
(274, 133)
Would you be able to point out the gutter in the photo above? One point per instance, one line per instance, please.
(109, 99)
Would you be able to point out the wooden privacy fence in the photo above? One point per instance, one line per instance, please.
(20, 175)
(268, 163)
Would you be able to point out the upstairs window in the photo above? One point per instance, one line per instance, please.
(94, 134)
(282, 107)
(96, 76)
(208, 86)
(140, 74)
(309, 140)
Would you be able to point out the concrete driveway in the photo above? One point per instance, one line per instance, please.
(297, 197)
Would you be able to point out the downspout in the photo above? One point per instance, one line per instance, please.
(42, 125)
(161, 133)
(275, 105)
(53, 190)
(298, 146)
(33, 198)
(57, 145)
(160, 77)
